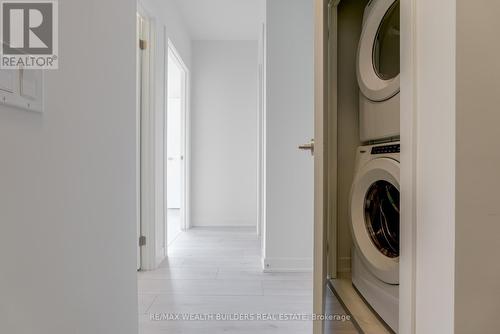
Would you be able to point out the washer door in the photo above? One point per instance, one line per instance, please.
(378, 52)
(375, 217)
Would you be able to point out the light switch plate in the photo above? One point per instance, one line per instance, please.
(31, 84)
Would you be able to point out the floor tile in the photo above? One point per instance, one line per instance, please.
(218, 271)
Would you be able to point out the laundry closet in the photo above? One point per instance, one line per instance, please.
(363, 159)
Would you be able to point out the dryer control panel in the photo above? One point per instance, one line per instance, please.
(386, 149)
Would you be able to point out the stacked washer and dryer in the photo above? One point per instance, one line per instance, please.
(375, 202)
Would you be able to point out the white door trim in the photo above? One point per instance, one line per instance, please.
(262, 150)
(407, 264)
(428, 163)
(320, 111)
(138, 81)
(261, 139)
(147, 152)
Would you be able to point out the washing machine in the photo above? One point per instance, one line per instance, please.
(378, 67)
(374, 214)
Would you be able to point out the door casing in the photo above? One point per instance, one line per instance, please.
(143, 147)
(146, 190)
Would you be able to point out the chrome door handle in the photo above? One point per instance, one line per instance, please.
(308, 147)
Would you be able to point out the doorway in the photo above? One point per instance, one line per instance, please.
(162, 177)
(362, 32)
(175, 144)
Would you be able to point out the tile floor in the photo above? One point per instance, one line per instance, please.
(174, 225)
(218, 270)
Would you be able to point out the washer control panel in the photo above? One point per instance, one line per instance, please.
(386, 149)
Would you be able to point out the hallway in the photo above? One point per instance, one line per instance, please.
(218, 270)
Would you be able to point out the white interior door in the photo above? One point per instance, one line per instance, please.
(175, 144)
(175, 110)
(174, 134)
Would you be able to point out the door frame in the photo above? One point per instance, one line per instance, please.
(153, 210)
(138, 141)
(408, 180)
(146, 138)
(261, 139)
(331, 146)
(185, 133)
(320, 133)
(325, 117)
(145, 190)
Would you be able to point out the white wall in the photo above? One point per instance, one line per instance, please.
(167, 24)
(457, 167)
(224, 133)
(477, 271)
(67, 176)
(289, 122)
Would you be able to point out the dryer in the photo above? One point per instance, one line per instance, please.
(374, 215)
(378, 67)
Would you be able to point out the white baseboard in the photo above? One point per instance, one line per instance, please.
(222, 225)
(287, 265)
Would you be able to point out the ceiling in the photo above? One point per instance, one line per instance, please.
(223, 19)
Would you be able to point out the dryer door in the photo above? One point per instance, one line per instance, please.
(378, 52)
(375, 217)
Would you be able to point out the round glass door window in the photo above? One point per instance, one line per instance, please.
(382, 217)
(386, 46)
